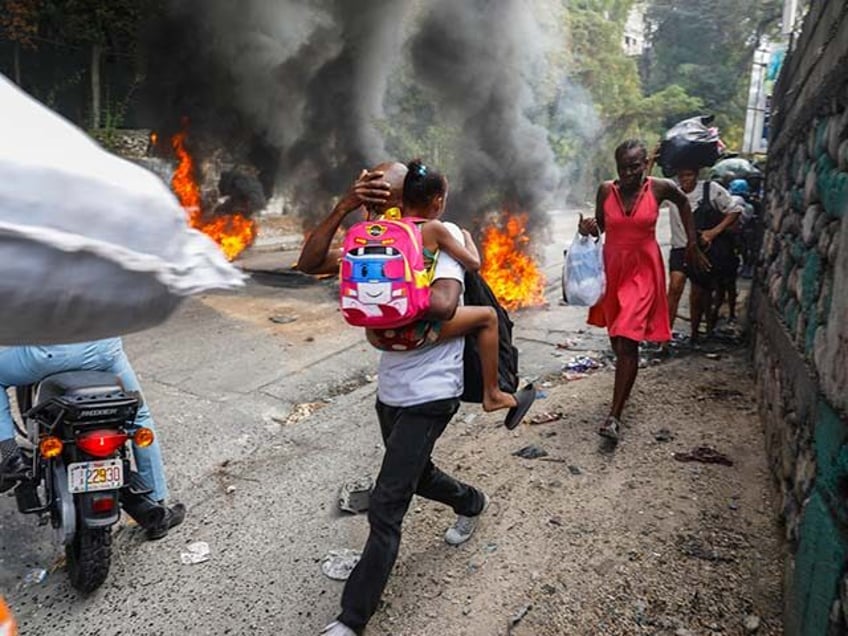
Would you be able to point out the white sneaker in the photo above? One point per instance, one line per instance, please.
(338, 629)
(461, 531)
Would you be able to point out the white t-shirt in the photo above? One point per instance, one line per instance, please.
(719, 197)
(408, 378)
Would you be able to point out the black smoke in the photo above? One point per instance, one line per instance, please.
(478, 57)
(296, 87)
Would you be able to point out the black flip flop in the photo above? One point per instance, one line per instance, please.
(524, 398)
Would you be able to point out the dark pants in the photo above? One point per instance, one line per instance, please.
(409, 434)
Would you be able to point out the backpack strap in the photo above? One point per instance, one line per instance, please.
(706, 196)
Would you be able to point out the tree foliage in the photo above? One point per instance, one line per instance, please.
(19, 21)
(707, 48)
(612, 78)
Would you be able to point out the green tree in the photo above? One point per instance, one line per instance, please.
(707, 48)
(600, 65)
(19, 25)
(104, 28)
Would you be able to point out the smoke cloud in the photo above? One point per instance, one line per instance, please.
(478, 57)
(298, 86)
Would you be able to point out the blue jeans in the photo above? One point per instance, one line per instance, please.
(30, 364)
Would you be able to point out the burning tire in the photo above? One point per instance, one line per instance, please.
(89, 556)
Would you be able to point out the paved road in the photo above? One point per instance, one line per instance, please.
(224, 378)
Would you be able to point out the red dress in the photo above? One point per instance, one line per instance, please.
(635, 304)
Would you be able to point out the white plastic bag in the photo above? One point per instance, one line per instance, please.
(91, 245)
(583, 279)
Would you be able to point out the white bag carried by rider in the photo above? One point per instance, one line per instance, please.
(91, 245)
(583, 278)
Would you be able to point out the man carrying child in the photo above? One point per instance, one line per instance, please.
(417, 395)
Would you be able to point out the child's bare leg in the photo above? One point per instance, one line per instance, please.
(483, 320)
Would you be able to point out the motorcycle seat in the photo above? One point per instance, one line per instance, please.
(80, 384)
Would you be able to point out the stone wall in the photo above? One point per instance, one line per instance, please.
(800, 309)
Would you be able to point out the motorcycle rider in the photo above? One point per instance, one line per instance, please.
(30, 364)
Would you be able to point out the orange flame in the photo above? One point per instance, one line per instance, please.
(232, 232)
(508, 268)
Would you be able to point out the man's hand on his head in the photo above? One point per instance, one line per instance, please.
(371, 189)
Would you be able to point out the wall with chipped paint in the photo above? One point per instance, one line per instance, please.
(800, 311)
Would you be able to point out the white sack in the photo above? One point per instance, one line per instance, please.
(583, 278)
(91, 245)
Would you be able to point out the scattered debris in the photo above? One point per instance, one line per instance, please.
(231, 489)
(568, 343)
(639, 609)
(541, 395)
(354, 495)
(582, 364)
(309, 339)
(197, 552)
(693, 547)
(531, 452)
(574, 470)
(490, 547)
(555, 521)
(338, 564)
(36, 576)
(705, 455)
(720, 393)
(516, 618)
(548, 433)
(282, 319)
(571, 376)
(546, 417)
(751, 623)
(713, 356)
(302, 411)
(663, 435)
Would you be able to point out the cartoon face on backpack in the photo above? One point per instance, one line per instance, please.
(383, 281)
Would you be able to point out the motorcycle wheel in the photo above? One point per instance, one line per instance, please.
(89, 556)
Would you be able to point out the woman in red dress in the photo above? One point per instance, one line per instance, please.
(634, 307)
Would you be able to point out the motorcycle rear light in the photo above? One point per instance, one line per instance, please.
(50, 447)
(101, 443)
(143, 437)
(103, 505)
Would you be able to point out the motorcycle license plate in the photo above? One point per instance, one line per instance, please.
(106, 474)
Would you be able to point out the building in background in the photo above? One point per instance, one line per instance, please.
(635, 32)
(768, 60)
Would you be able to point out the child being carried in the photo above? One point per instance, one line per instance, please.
(386, 270)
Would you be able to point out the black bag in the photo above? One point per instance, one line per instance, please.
(689, 144)
(477, 292)
(721, 253)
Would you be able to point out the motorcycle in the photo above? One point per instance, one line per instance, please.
(79, 473)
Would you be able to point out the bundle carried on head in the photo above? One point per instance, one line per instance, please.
(690, 144)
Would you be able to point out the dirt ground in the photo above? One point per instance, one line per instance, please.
(588, 541)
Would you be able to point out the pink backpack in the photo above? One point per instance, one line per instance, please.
(384, 282)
